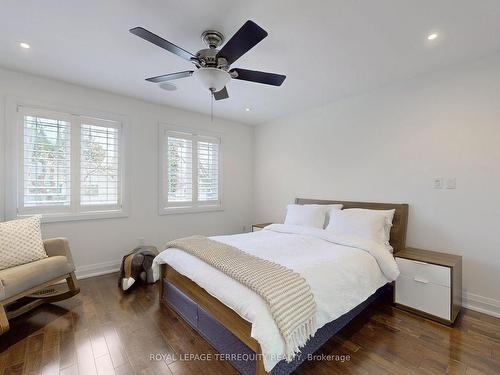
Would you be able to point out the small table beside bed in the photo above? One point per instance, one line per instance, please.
(345, 273)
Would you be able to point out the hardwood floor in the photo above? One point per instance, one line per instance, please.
(102, 331)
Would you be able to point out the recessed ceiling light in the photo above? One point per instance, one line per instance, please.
(24, 45)
(248, 109)
(432, 36)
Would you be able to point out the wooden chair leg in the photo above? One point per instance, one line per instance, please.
(73, 289)
(73, 283)
(35, 300)
(51, 295)
(25, 308)
(4, 322)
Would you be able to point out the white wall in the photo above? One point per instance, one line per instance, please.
(98, 245)
(387, 146)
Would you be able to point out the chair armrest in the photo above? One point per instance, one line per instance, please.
(58, 246)
(2, 291)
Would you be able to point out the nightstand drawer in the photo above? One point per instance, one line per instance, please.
(425, 272)
(427, 297)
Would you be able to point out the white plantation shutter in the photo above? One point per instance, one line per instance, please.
(190, 172)
(179, 167)
(208, 170)
(68, 165)
(99, 163)
(46, 162)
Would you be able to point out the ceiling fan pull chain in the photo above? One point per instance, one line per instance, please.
(211, 106)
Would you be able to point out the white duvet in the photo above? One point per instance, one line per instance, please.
(342, 273)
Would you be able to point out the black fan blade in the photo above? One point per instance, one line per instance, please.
(244, 40)
(171, 76)
(259, 77)
(222, 94)
(160, 42)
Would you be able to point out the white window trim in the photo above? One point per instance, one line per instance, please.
(165, 208)
(14, 156)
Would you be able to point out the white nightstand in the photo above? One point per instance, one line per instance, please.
(430, 284)
(257, 227)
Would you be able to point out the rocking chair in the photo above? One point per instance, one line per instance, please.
(24, 287)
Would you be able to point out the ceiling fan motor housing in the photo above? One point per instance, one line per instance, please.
(212, 38)
(208, 57)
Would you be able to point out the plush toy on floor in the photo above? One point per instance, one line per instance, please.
(138, 265)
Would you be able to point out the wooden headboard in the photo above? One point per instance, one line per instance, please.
(399, 223)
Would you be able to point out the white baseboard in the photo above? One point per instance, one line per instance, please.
(97, 269)
(482, 304)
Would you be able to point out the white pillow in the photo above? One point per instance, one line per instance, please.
(309, 215)
(389, 216)
(373, 225)
(331, 207)
(21, 242)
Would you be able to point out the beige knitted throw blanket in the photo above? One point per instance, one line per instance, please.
(287, 294)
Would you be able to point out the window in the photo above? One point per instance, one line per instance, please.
(99, 164)
(208, 170)
(47, 162)
(70, 165)
(189, 171)
(179, 168)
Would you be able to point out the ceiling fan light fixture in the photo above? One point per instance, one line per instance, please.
(212, 79)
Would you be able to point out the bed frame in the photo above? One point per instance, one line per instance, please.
(229, 333)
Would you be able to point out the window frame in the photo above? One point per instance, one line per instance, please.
(194, 206)
(14, 198)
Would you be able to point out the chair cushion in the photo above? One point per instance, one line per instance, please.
(20, 242)
(26, 276)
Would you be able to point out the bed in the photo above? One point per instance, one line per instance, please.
(233, 319)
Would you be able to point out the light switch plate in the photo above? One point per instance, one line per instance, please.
(438, 183)
(451, 183)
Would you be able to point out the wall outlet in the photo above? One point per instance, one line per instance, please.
(438, 183)
(451, 183)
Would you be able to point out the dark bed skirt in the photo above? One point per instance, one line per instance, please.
(232, 349)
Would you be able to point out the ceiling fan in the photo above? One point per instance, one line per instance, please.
(213, 66)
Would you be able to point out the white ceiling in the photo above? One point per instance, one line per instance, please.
(327, 48)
